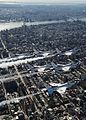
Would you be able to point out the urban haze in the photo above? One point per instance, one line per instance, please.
(42, 60)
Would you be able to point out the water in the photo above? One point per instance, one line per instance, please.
(11, 25)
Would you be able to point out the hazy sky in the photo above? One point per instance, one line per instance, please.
(47, 1)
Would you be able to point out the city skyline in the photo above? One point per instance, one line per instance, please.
(45, 1)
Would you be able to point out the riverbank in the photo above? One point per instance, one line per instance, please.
(11, 25)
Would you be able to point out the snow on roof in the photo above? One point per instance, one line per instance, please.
(66, 68)
(68, 53)
(41, 69)
(46, 54)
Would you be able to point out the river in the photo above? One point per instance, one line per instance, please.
(11, 25)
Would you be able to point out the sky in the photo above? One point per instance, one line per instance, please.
(46, 1)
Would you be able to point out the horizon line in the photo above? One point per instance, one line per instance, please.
(43, 3)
